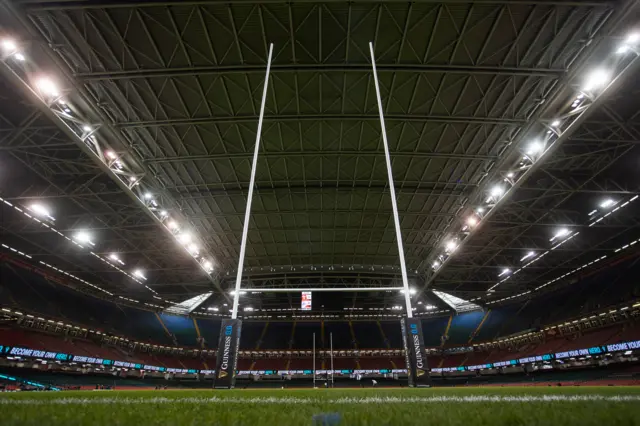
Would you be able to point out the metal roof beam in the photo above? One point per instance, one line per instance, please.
(297, 154)
(319, 117)
(318, 68)
(409, 187)
(38, 5)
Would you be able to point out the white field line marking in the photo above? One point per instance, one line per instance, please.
(346, 400)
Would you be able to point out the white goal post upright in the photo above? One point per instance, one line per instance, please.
(247, 213)
(392, 190)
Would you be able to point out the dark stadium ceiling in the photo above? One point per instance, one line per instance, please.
(160, 108)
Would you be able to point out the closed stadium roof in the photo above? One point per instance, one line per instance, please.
(128, 128)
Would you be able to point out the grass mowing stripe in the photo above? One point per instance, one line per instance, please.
(513, 406)
(345, 400)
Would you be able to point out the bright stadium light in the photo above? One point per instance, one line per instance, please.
(480, 210)
(86, 128)
(19, 56)
(213, 308)
(147, 196)
(535, 148)
(116, 258)
(472, 221)
(83, 237)
(9, 45)
(496, 191)
(527, 256)
(139, 274)
(435, 264)
(450, 246)
(555, 123)
(193, 249)
(233, 292)
(163, 213)
(208, 266)
(596, 79)
(112, 155)
(47, 87)
(560, 233)
(607, 203)
(510, 175)
(248, 309)
(184, 238)
(505, 271)
(411, 291)
(40, 210)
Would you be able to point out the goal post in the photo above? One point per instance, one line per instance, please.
(415, 353)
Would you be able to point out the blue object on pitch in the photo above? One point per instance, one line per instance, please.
(326, 419)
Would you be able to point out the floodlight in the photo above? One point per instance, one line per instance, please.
(213, 308)
(47, 87)
(535, 148)
(184, 238)
(633, 38)
(623, 49)
(19, 56)
(510, 175)
(132, 179)
(193, 249)
(555, 123)
(480, 209)
(163, 213)
(83, 237)
(248, 309)
(504, 272)
(450, 245)
(112, 155)
(40, 210)
(496, 191)
(86, 128)
(436, 264)
(9, 45)
(208, 266)
(607, 203)
(472, 221)
(527, 256)
(172, 225)
(596, 79)
(560, 233)
(140, 274)
(114, 256)
(147, 196)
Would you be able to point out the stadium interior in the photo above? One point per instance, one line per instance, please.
(127, 136)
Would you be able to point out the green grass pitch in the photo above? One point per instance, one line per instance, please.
(439, 406)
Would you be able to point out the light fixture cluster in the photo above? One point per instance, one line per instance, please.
(605, 205)
(630, 44)
(592, 85)
(59, 270)
(50, 92)
(82, 238)
(563, 235)
(10, 49)
(524, 293)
